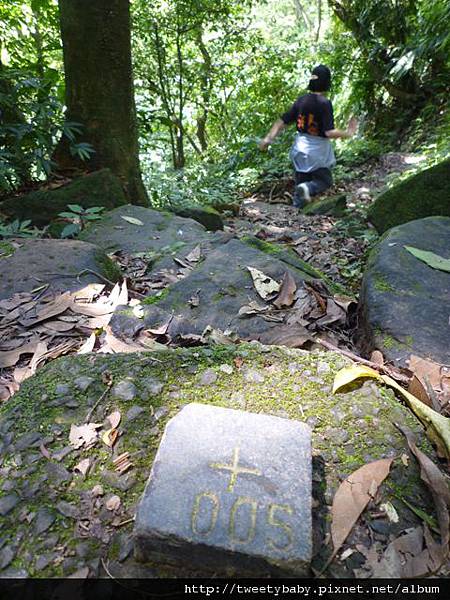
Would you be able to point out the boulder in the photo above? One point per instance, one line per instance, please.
(212, 294)
(100, 188)
(152, 231)
(63, 264)
(348, 430)
(206, 215)
(422, 195)
(404, 303)
(334, 206)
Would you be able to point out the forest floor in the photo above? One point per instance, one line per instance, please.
(337, 246)
(102, 542)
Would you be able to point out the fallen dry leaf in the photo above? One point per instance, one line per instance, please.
(88, 345)
(115, 345)
(437, 484)
(83, 435)
(83, 466)
(417, 389)
(334, 314)
(162, 329)
(109, 437)
(132, 220)
(286, 297)
(264, 285)
(48, 310)
(11, 358)
(113, 503)
(293, 336)
(238, 362)
(194, 255)
(114, 419)
(377, 358)
(59, 326)
(252, 308)
(353, 496)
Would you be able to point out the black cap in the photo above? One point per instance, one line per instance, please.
(320, 80)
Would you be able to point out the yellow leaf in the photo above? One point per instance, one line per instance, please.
(109, 437)
(437, 426)
(350, 374)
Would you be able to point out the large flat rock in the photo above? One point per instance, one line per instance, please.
(64, 265)
(156, 231)
(404, 303)
(219, 501)
(422, 195)
(48, 503)
(223, 284)
(100, 188)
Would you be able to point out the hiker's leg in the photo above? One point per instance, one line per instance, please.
(299, 178)
(321, 180)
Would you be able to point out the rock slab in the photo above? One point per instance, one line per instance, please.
(404, 303)
(235, 498)
(65, 265)
(100, 188)
(422, 195)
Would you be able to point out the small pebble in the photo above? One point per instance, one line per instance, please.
(7, 503)
(208, 377)
(44, 520)
(160, 413)
(253, 376)
(134, 412)
(124, 390)
(82, 383)
(323, 367)
(62, 389)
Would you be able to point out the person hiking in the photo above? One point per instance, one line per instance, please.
(312, 153)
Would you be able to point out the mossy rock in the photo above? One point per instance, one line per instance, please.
(206, 215)
(223, 285)
(422, 195)
(291, 258)
(39, 467)
(403, 306)
(334, 206)
(62, 264)
(153, 231)
(100, 188)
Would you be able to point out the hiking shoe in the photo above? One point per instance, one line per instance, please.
(303, 193)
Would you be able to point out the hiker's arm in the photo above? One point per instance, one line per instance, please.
(278, 126)
(343, 133)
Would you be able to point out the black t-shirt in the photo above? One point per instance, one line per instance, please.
(313, 114)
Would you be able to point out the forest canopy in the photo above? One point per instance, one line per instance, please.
(210, 76)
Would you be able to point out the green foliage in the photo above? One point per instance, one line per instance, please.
(79, 217)
(18, 229)
(212, 75)
(32, 94)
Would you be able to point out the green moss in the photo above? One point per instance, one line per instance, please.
(381, 284)
(6, 249)
(107, 267)
(292, 388)
(292, 259)
(389, 343)
(100, 188)
(206, 215)
(421, 195)
(156, 298)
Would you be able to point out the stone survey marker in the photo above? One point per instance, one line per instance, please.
(229, 491)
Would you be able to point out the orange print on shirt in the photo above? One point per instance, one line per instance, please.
(306, 124)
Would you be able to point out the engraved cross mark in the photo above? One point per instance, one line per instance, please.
(235, 469)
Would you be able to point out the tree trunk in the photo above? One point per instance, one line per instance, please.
(99, 89)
